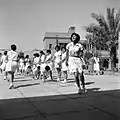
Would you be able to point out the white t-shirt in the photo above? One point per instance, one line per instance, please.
(64, 56)
(36, 60)
(74, 49)
(4, 59)
(58, 56)
(42, 58)
(12, 55)
(48, 57)
(21, 60)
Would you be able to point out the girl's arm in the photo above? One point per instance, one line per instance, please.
(1, 61)
(67, 56)
(49, 59)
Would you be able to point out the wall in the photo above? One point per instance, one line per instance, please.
(53, 42)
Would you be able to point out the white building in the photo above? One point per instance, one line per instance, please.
(53, 38)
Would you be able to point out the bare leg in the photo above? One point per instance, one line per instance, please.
(82, 78)
(58, 74)
(65, 76)
(5, 75)
(11, 80)
(76, 75)
(50, 72)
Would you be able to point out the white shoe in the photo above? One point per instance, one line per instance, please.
(5, 78)
(64, 81)
(84, 90)
(48, 78)
(58, 79)
(11, 86)
(79, 91)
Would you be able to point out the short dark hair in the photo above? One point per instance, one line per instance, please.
(5, 52)
(13, 47)
(63, 48)
(34, 54)
(49, 51)
(57, 47)
(42, 52)
(77, 37)
(38, 67)
(27, 56)
(37, 55)
(47, 68)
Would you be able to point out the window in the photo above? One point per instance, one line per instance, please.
(50, 46)
(62, 44)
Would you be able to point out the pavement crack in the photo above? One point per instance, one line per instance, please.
(41, 113)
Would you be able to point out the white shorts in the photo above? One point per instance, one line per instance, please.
(64, 67)
(3, 66)
(11, 66)
(75, 65)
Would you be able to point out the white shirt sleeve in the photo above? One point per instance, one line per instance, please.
(68, 46)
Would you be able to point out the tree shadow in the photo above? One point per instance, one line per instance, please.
(26, 85)
(91, 90)
(89, 83)
(20, 77)
(101, 105)
(22, 80)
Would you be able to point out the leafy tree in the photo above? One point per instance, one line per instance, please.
(105, 34)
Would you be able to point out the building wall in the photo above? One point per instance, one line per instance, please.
(47, 43)
(50, 43)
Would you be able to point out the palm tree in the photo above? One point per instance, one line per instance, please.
(106, 33)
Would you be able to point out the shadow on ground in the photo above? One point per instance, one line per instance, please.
(26, 85)
(99, 105)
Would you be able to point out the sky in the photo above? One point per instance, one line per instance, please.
(24, 22)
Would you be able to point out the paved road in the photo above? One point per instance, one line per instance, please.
(35, 100)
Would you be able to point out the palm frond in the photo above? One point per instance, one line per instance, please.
(117, 19)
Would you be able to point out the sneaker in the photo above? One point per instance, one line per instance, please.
(84, 90)
(79, 91)
(11, 86)
(58, 79)
(4, 78)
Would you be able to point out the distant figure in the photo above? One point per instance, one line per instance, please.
(63, 63)
(28, 68)
(57, 61)
(105, 64)
(42, 60)
(3, 64)
(96, 65)
(48, 66)
(22, 65)
(36, 66)
(91, 65)
(0, 63)
(12, 64)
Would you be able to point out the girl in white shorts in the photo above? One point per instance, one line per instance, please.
(75, 61)
(3, 65)
(57, 62)
(64, 66)
(12, 64)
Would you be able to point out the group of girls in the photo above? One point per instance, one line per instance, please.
(42, 65)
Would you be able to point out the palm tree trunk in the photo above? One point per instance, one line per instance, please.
(112, 60)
